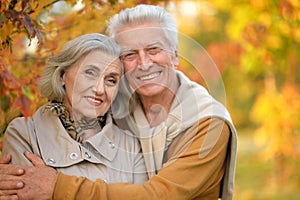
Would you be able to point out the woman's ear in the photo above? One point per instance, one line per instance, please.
(62, 79)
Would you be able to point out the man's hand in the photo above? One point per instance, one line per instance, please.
(38, 181)
(9, 174)
(9, 178)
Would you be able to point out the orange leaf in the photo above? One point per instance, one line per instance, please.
(23, 103)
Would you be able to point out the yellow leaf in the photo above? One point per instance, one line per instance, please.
(273, 41)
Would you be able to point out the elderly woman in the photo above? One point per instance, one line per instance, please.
(75, 132)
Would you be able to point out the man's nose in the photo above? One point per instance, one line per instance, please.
(144, 61)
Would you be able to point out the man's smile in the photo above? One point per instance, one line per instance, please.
(149, 76)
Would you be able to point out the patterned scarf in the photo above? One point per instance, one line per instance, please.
(74, 128)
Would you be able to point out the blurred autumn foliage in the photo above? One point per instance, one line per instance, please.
(33, 30)
(254, 44)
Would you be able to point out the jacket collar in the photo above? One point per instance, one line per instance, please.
(104, 142)
(58, 149)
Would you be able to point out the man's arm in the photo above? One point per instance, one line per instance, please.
(39, 179)
(191, 176)
(9, 178)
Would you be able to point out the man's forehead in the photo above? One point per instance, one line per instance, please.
(140, 37)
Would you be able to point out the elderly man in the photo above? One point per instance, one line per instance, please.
(188, 140)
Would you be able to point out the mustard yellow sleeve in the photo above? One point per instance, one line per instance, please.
(194, 173)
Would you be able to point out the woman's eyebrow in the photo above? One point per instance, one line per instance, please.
(92, 66)
(114, 74)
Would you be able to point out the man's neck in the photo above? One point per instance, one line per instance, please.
(157, 108)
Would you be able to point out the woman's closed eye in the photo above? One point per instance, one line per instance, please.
(111, 81)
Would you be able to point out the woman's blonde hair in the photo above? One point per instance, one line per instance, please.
(50, 83)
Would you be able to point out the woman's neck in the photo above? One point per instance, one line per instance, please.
(89, 133)
(89, 126)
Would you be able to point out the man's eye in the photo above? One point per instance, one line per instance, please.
(129, 56)
(154, 50)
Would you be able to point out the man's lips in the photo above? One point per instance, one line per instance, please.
(149, 76)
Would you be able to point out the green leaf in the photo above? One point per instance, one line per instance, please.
(27, 92)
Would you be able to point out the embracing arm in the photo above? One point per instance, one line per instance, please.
(195, 173)
(39, 180)
(9, 175)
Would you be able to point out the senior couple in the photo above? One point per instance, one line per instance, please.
(160, 136)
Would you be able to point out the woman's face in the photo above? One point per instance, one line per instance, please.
(91, 85)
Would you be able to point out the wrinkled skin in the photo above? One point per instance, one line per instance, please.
(19, 182)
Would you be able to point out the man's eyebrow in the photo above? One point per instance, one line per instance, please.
(148, 45)
(127, 49)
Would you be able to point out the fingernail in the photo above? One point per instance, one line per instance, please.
(6, 156)
(14, 197)
(20, 171)
(20, 184)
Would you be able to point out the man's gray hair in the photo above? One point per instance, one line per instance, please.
(145, 13)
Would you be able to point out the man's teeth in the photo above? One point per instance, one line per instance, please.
(94, 100)
(150, 76)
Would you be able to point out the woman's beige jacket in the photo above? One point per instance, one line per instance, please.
(113, 155)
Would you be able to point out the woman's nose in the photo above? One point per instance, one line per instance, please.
(99, 87)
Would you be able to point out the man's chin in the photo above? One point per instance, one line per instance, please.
(149, 90)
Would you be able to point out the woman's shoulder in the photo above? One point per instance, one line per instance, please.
(20, 122)
(126, 138)
(24, 124)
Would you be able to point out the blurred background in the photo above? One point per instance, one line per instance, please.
(246, 52)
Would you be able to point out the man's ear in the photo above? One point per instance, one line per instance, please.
(176, 59)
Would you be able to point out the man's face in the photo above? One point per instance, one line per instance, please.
(149, 62)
